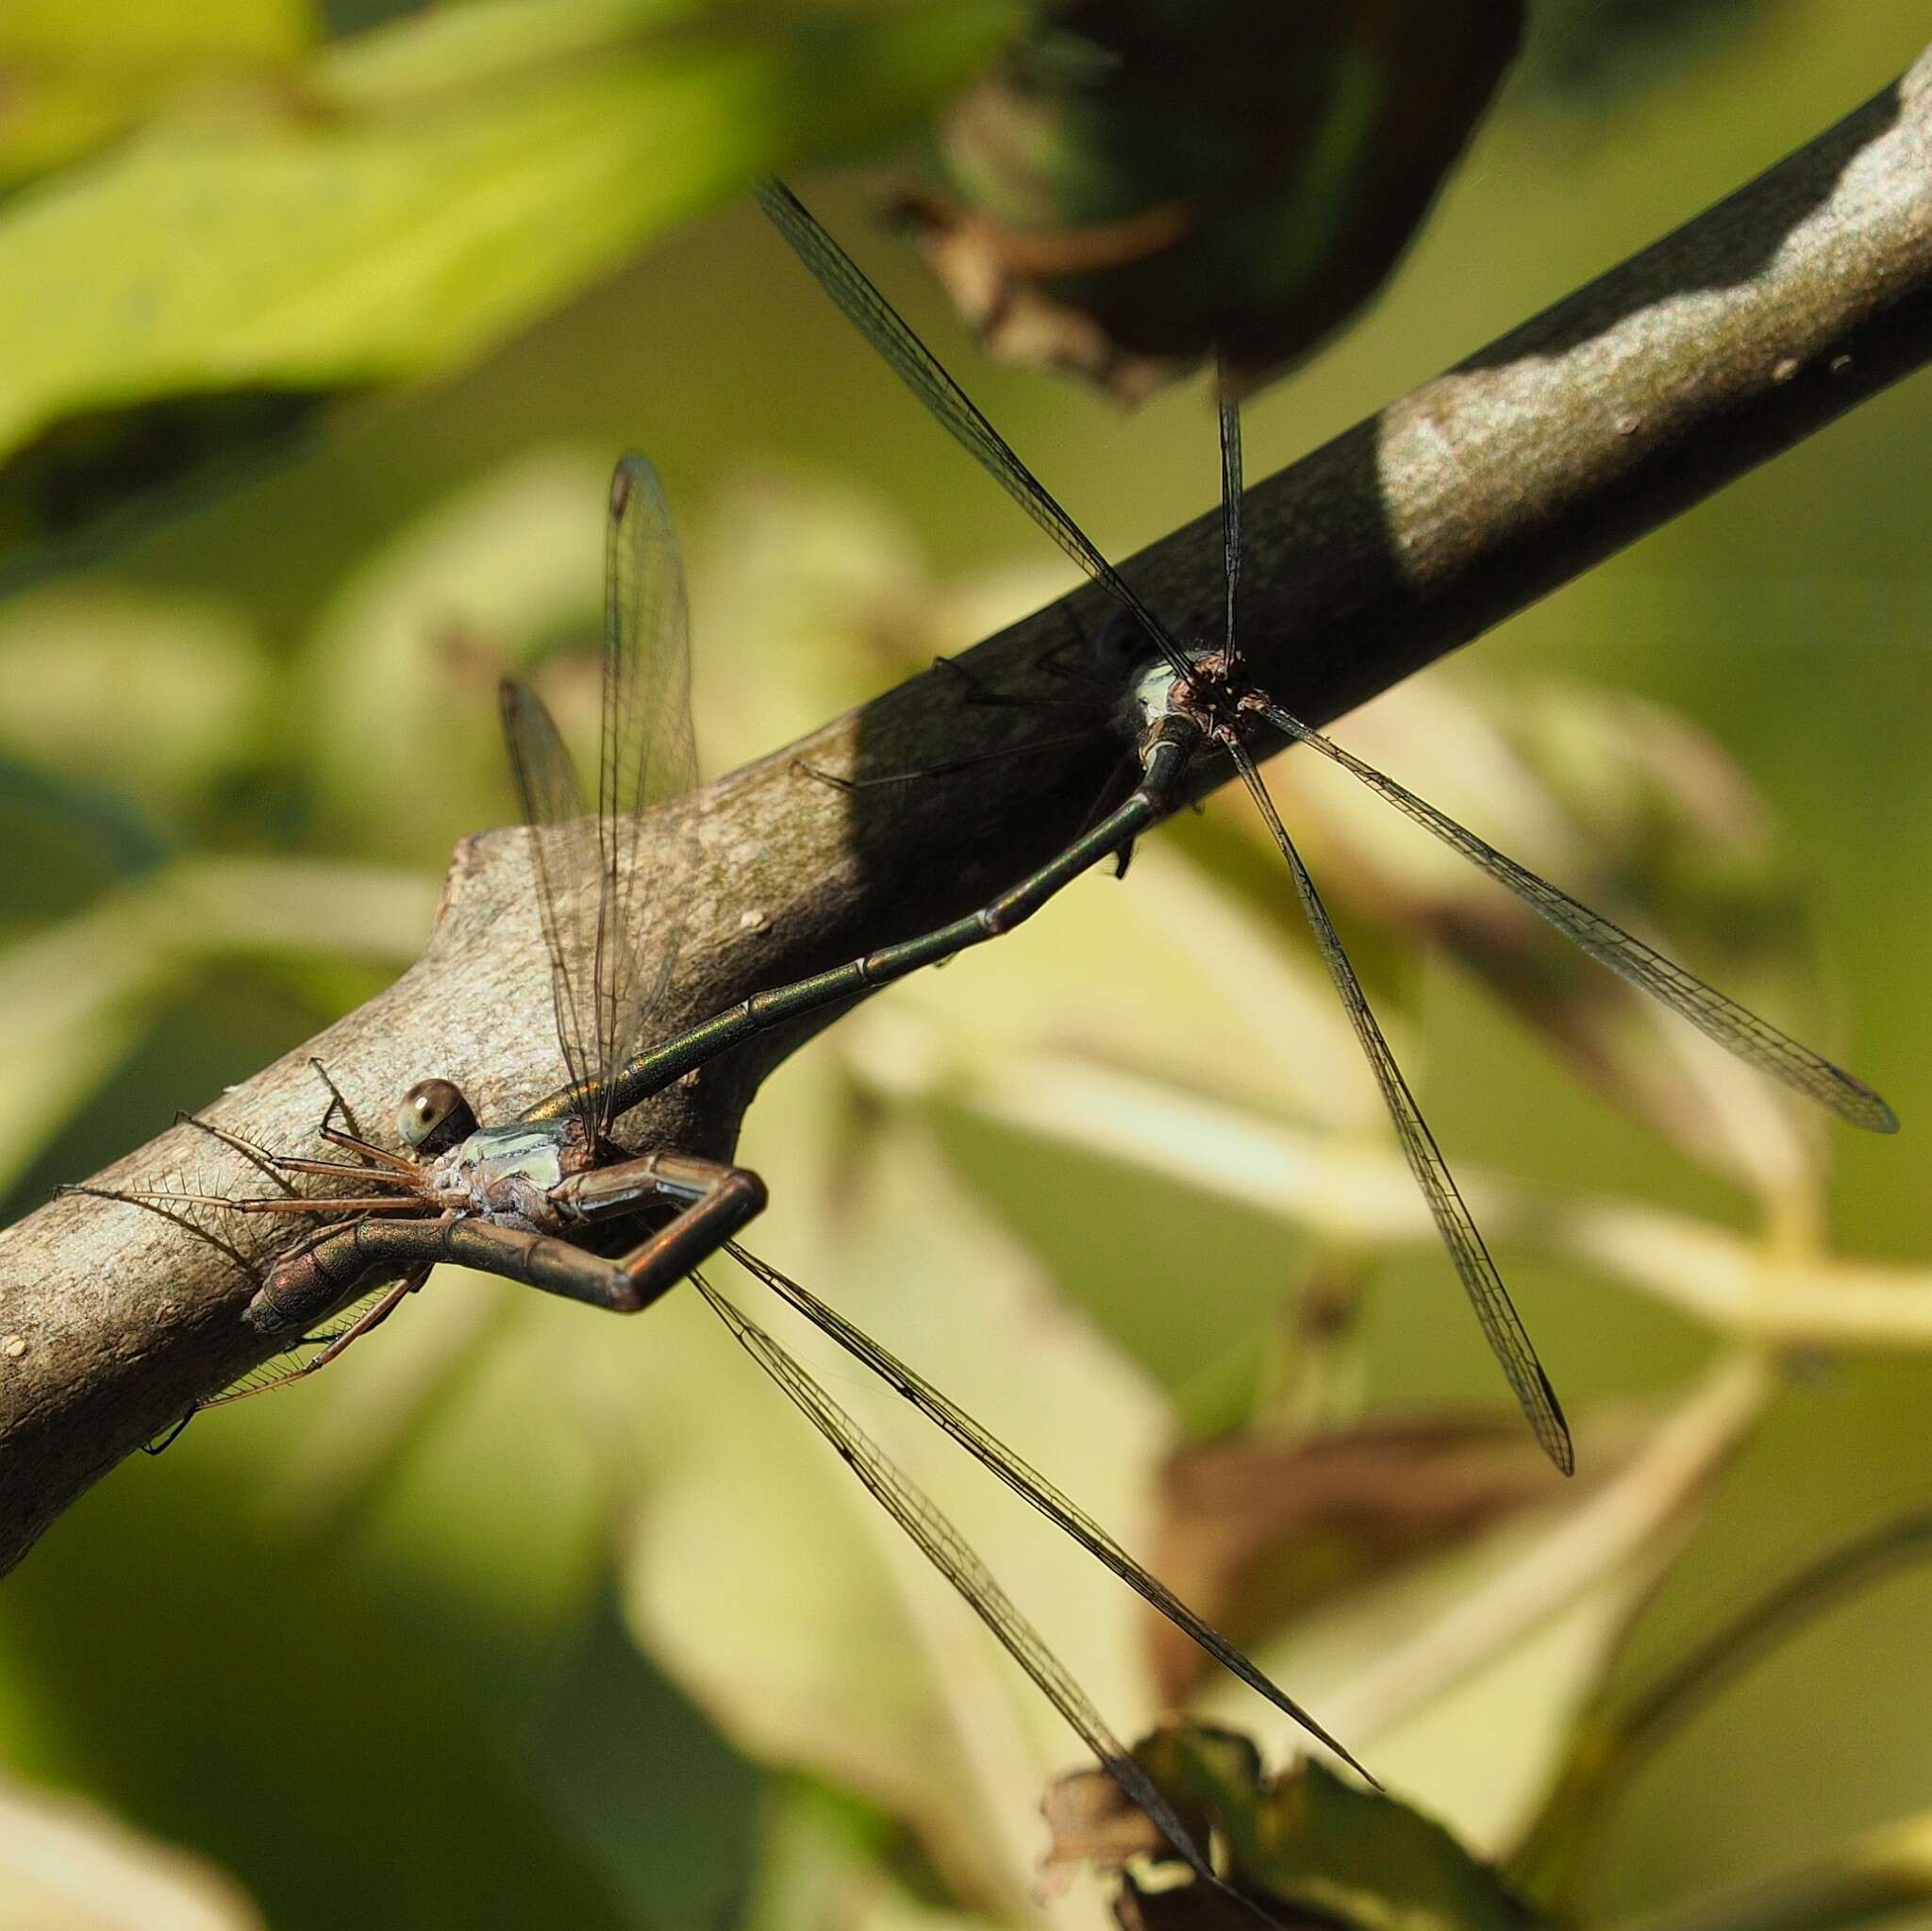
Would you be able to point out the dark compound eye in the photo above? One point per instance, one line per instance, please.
(432, 1108)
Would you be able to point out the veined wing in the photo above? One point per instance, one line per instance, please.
(649, 753)
(1032, 1487)
(1228, 414)
(1501, 1324)
(919, 369)
(942, 1545)
(1733, 1026)
(608, 969)
(564, 858)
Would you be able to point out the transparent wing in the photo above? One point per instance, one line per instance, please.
(1733, 1026)
(612, 946)
(1230, 414)
(948, 1551)
(565, 859)
(919, 369)
(1501, 1324)
(1031, 1487)
(648, 756)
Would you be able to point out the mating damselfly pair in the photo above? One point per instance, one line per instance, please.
(555, 1199)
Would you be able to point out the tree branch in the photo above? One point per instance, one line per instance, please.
(1644, 393)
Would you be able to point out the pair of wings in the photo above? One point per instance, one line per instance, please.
(612, 946)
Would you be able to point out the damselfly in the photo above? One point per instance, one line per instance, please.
(1180, 702)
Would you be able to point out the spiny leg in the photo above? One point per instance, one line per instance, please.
(355, 1140)
(277, 1166)
(332, 1346)
(275, 1203)
(163, 1204)
(264, 1159)
(336, 1103)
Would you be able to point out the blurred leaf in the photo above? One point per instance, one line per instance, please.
(66, 839)
(162, 694)
(91, 477)
(1260, 1027)
(1304, 1841)
(1142, 184)
(1358, 1196)
(829, 583)
(66, 1866)
(77, 73)
(423, 189)
(1253, 1531)
(1585, 55)
(680, 1850)
(1622, 1730)
(409, 652)
(288, 905)
(825, 1863)
(1874, 1878)
(73, 1002)
(243, 1729)
(75, 998)
(1458, 1678)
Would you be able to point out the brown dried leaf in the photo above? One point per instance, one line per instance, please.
(1250, 1531)
(1092, 1821)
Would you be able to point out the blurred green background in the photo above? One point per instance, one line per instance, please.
(518, 1619)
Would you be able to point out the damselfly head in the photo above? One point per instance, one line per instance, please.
(434, 1117)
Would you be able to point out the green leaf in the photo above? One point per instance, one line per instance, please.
(79, 72)
(162, 693)
(74, 1000)
(1352, 1855)
(1306, 1839)
(409, 652)
(419, 193)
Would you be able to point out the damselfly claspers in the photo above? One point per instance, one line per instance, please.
(552, 1200)
(1182, 701)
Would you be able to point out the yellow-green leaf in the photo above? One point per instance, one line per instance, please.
(422, 190)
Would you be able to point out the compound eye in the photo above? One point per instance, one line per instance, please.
(428, 1109)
